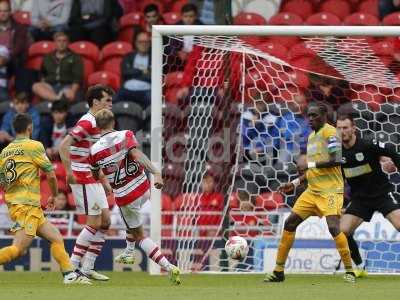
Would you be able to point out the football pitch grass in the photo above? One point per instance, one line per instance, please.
(126, 285)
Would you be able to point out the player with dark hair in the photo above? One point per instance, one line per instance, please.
(370, 188)
(20, 163)
(323, 196)
(89, 192)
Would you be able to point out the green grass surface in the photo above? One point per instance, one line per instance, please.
(46, 285)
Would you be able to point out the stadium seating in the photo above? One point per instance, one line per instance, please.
(112, 54)
(177, 5)
(274, 49)
(105, 77)
(37, 51)
(128, 115)
(392, 19)
(323, 18)
(369, 7)
(302, 8)
(249, 19)
(270, 201)
(22, 17)
(89, 53)
(171, 18)
(285, 19)
(127, 23)
(340, 8)
(361, 19)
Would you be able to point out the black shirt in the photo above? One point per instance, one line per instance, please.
(362, 169)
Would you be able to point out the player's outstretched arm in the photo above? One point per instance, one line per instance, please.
(65, 157)
(143, 160)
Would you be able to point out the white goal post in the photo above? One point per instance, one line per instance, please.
(326, 42)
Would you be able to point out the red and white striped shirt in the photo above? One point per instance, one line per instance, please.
(85, 134)
(127, 178)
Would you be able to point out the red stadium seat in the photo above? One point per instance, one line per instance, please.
(301, 50)
(371, 96)
(37, 51)
(270, 201)
(392, 19)
(249, 19)
(22, 17)
(285, 18)
(274, 49)
(177, 5)
(127, 23)
(41, 48)
(86, 49)
(105, 77)
(383, 48)
(287, 41)
(323, 18)
(369, 7)
(171, 18)
(115, 49)
(167, 205)
(302, 8)
(112, 55)
(173, 79)
(340, 8)
(361, 19)
(90, 55)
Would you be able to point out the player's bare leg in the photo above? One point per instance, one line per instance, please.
(20, 244)
(154, 253)
(49, 232)
(285, 245)
(394, 218)
(348, 224)
(101, 223)
(342, 246)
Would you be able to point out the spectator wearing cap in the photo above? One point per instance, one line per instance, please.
(61, 72)
(55, 128)
(20, 105)
(49, 17)
(136, 72)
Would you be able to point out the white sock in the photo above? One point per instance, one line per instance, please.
(82, 244)
(93, 251)
(154, 253)
(130, 244)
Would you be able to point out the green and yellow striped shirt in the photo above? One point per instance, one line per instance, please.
(20, 162)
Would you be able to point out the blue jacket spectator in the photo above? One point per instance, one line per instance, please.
(20, 105)
(258, 131)
(293, 128)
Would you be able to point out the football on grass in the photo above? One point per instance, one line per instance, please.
(236, 247)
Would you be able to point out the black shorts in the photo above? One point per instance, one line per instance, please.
(365, 208)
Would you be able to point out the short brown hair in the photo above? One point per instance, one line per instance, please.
(96, 92)
(21, 122)
(21, 97)
(343, 117)
(104, 118)
(58, 34)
